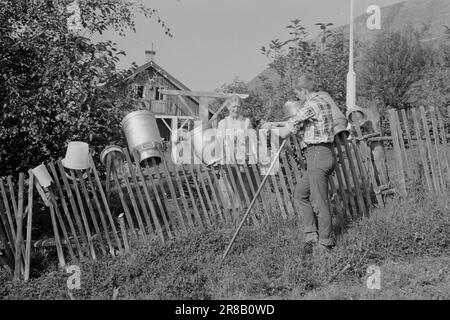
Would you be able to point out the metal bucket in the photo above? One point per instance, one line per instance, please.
(290, 109)
(142, 134)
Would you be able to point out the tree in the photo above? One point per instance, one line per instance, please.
(58, 85)
(325, 58)
(390, 65)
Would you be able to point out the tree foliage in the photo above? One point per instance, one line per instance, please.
(56, 85)
(325, 58)
(390, 65)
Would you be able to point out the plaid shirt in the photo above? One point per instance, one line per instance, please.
(317, 119)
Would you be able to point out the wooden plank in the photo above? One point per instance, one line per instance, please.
(430, 150)
(229, 191)
(149, 202)
(9, 239)
(105, 203)
(205, 191)
(12, 195)
(407, 128)
(138, 192)
(215, 198)
(286, 196)
(373, 180)
(7, 259)
(124, 203)
(12, 229)
(19, 239)
(88, 201)
(439, 154)
(29, 226)
(277, 194)
(203, 110)
(83, 215)
(164, 208)
(342, 188)
(253, 188)
(244, 191)
(264, 195)
(402, 147)
(66, 209)
(220, 196)
(365, 182)
(356, 182)
(202, 94)
(63, 228)
(197, 188)
(124, 233)
(73, 204)
(108, 175)
(422, 150)
(351, 190)
(59, 250)
(102, 214)
(183, 196)
(295, 169)
(173, 193)
(398, 153)
(135, 206)
(291, 177)
(444, 143)
(191, 196)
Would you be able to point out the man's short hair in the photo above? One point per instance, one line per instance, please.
(305, 81)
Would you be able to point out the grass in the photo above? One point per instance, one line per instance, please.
(409, 240)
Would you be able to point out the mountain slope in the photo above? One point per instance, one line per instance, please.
(435, 13)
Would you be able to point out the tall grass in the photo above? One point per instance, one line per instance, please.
(264, 263)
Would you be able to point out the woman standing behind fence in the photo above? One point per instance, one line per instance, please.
(228, 129)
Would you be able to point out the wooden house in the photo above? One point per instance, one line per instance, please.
(171, 112)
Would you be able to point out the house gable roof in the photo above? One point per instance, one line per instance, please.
(153, 65)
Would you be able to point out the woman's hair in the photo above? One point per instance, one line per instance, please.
(234, 100)
(305, 81)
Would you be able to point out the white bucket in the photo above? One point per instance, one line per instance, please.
(77, 156)
(42, 175)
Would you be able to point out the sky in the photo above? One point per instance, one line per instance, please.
(216, 41)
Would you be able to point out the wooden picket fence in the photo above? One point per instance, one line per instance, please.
(420, 142)
(165, 201)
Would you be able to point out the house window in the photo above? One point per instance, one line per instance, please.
(140, 92)
(158, 95)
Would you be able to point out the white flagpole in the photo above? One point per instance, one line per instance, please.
(351, 76)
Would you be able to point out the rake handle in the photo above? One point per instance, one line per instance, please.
(253, 201)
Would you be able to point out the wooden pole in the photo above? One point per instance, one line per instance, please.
(422, 149)
(66, 209)
(29, 226)
(105, 203)
(124, 233)
(395, 138)
(19, 242)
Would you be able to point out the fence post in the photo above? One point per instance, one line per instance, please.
(398, 153)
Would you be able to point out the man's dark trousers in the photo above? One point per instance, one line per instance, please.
(312, 193)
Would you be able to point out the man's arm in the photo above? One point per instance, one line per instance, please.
(292, 125)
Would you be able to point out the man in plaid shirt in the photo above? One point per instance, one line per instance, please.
(315, 118)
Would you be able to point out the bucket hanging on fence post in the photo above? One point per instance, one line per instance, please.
(42, 175)
(77, 156)
(142, 134)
